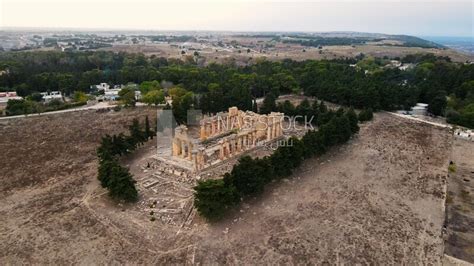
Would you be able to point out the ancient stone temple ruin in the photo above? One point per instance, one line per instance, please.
(223, 136)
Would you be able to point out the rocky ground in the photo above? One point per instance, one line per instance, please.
(377, 199)
(460, 202)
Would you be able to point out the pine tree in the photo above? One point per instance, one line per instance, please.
(121, 184)
(366, 115)
(212, 198)
(105, 168)
(249, 176)
(269, 104)
(148, 132)
(353, 120)
(136, 135)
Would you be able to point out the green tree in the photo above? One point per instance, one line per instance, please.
(148, 132)
(212, 198)
(249, 176)
(147, 86)
(353, 120)
(438, 104)
(121, 184)
(304, 109)
(366, 115)
(269, 104)
(127, 96)
(287, 108)
(137, 136)
(36, 96)
(80, 97)
(105, 171)
(154, 97)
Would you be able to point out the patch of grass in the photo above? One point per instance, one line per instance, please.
(449, 199)
(452, 167)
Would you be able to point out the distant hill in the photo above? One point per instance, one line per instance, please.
(347, 38)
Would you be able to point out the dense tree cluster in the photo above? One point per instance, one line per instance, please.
(213, 198)
(460, 106)
(111, 174)
(368, 84)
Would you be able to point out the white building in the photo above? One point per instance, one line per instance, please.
(100, 87)
(406, 67)
(419, 109)
(111, 94)
(5, 97)
(54, 95)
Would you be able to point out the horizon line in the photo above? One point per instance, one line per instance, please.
(99, 29)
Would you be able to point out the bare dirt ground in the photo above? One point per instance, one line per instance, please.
(212, 54)
(460, 202)
(377, 199)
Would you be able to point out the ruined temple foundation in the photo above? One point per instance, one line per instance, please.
(225, 135)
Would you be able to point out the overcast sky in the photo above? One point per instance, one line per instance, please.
(435, 18)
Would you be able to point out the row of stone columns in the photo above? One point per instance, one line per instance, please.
(231, 146)
(211, 128)
(218, 125)
(199, 159)
(182, 148)
(274, 130)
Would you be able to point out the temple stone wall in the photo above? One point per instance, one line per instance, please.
(225, 135)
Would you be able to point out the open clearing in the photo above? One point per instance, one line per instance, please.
(377, 199)
(210, 54)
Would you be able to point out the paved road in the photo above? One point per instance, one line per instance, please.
(101, 105)
(421, 120)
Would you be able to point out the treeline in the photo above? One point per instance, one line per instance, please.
(317, 112)
(20, 107)
(433, 80)
(213, 198)
(116, 178)
(327, 41)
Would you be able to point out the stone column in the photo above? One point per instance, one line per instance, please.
(227, 149)
(254, 138)
(201, 160)
(202, 133)
(190, 148)
(274, 129)
(239, 143)
(174, 148)
(183, 149)
(208, 129)
(221, 150)
(269, 132)
(280, 128)
(195, 160)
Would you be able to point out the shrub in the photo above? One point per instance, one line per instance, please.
(452, 167)
(366, 115)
